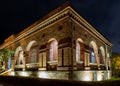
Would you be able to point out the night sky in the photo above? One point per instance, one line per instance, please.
(104, 15)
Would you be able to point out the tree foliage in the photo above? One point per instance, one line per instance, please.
(115, 64)
(5, 54)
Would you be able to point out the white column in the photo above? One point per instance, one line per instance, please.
(106, 62)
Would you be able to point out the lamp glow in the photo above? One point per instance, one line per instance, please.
(24, 73)
(43, 75)
(86, 76)
(12, 73)
(99, 77)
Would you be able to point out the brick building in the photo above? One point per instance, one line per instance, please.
(61, 45)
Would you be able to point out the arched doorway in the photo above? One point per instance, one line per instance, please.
(32, 55)
(102, 55)
(80, 53)
(19, 58)
(52, 54)
(94, 61)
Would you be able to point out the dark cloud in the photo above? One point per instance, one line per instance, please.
(104, 15)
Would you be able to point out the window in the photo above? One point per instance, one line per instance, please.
(52, 54)
(53, 50)
(33, 55)
(92, 57)
(77, 52)
(93, 52)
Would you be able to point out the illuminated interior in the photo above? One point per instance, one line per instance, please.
(79, 50)
(92, 57)
(19, 56)
(32, 49)
(94, 52)
(53, 50)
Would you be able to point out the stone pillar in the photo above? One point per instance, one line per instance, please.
(44, 59)
(67, 56)
(13, 64)
(107, 55)
(60, 58)
(97, 60)
(24, 64)
(26, 55)
(87, 61)
(98, 63)
(40, 60)
(24, 59)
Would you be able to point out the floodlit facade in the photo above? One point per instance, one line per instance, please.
(61, 45)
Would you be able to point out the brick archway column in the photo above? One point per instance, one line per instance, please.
(25, 59)
(97, 60)
(13, 63)
(24, 63)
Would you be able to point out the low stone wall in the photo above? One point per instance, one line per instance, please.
(42, 74)
(64, 75)
(91, 75)
(54, 74)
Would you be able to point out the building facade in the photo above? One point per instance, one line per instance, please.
(61, 45)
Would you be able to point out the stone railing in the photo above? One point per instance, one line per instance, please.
(52, 65)
(80, 65)
(18, 66)
(93, 66)
(52, 62)
(102, 67)
(32, 65)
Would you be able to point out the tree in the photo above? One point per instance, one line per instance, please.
(116, 64)
(5, 54)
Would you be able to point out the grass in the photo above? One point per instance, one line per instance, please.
(114, 78)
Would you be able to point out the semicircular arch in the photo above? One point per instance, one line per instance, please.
(103, 53)
(52, 46)
(17, 50)
(93, 46)
(79, 50)
(30, 44)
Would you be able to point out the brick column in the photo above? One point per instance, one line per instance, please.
(13, 64)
